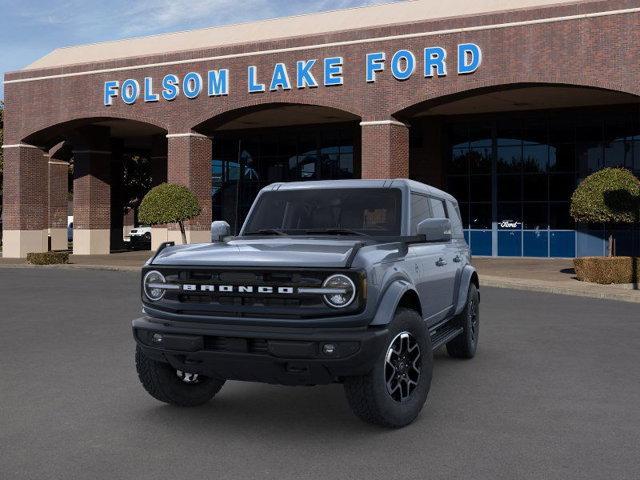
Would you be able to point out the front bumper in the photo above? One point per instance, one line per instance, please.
(278, 355)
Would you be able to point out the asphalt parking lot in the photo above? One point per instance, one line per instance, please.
(553, 393)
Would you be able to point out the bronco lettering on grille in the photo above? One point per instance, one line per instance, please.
(237, 289)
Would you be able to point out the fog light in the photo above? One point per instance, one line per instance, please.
(157, 338)
(328, 349)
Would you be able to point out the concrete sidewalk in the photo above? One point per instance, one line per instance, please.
(547, 275)
(538, 275)
(124, 261)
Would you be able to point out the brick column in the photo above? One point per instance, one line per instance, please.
(25, 211)
(189, 164)
(92, 192)
(58, 191)
(159, 233)
(385, 149)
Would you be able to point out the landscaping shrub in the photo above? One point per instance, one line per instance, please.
(607, 270)
(169, 203)
(48, 258)
(610, 196)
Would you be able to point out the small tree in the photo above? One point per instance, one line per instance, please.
(611, 195)
(169, 203)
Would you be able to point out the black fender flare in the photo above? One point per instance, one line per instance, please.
(388, 304)
(468, 275)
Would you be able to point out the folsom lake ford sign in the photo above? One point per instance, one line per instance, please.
(309, 73)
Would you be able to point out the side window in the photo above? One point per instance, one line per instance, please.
(419, 210)
(437, 207)
(456, 222)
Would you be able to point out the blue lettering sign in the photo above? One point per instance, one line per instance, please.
(192, 85)
(280, 78)
(130, 91)
(333, 71)
(170, 87)
(254, 87)
(218, 82)
(149, 96)
(469, 58)
(403, 64)
(434, 59)
(110, 92)
(375, 63)
(304, 76)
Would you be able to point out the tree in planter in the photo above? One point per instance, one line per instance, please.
(611, 195)
(169, 203)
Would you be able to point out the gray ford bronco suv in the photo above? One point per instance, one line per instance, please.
(351, 281)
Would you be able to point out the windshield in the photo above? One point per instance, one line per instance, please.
(354, 211)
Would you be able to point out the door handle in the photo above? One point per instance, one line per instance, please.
(441, 262)
(457, 259)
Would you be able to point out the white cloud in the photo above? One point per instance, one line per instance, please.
(30, 29)
(165, 15)
(122, 18)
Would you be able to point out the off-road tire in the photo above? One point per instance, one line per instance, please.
(162, 383)
(466, 344)
(368, 396)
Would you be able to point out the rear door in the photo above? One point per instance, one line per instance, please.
(446, 264)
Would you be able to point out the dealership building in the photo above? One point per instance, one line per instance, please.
(506, 104)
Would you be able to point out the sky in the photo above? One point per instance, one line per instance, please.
(29, 29)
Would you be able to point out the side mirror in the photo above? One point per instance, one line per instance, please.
(219, 230)
(435, 229)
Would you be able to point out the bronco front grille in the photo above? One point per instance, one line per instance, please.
(270, 303)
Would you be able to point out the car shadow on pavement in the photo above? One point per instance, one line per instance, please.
(260, 407)
(251, 407)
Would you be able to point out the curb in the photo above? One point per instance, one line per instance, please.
(604, 291)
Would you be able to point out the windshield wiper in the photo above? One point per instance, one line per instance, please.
(337, 231)
(267, 231)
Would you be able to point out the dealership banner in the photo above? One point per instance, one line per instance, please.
(308, 73)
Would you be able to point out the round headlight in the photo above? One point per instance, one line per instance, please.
(343, 291)
(150, 284)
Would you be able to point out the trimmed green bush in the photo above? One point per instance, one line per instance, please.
(48, 258)
(607, 270)
(611, 195)
(169, 203)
